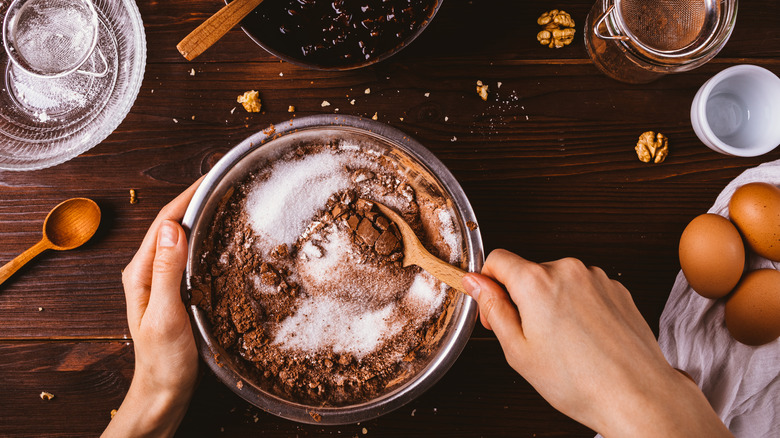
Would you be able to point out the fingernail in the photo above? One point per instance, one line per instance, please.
(168, 235)
(471, 286)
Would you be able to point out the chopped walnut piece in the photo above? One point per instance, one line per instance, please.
(291, 109)
(46, 396)
(240, 385)
(250, 100)
(558, 29)
(482, 90)
(133, 198)
(652, 147)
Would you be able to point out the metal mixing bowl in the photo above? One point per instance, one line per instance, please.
(423, 168)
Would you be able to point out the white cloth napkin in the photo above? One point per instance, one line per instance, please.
(742, 383)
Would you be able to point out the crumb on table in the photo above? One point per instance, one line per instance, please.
(482, 90)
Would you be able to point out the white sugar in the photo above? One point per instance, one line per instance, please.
(349, 147)
(311, 250)
(425, 295)
(281, 207)
(327, 257)
(449, 234)
(322, 323)
(339, 272)
(263, 287)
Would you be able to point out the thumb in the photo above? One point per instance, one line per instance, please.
(496, 309)
(170, 259)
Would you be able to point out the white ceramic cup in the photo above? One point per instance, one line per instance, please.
(737, 111)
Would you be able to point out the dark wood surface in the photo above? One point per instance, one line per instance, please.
(547, 163)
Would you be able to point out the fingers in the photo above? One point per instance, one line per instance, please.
(497, 311)
(514, 272)
(169, 262)
(173, 211)
(506, 267)
(137, 276)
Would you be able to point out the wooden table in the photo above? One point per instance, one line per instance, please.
(548, 163)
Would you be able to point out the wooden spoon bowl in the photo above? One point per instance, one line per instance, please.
(67, 226)
(416, 254)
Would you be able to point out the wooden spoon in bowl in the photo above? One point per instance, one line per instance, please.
(68, 225)
(215, 27)
(416, 254)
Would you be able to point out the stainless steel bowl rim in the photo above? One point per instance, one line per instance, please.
(428, 376)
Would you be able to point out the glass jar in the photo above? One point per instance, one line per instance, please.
(638, 41)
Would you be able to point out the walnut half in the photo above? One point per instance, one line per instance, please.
(561, 18)
(558, 29)
(250, 100)
(652, 147)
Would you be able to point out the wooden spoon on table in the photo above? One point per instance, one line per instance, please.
(416, 254)
(68, 225)
(215, 27)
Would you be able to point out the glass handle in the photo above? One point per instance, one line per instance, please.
(600, 21)
(98, 74)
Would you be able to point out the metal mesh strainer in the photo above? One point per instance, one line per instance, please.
(50, 37)
(669, 27)
(665, 25)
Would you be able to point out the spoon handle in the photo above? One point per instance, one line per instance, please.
(215, 27)
(11, 267)
(442, 270)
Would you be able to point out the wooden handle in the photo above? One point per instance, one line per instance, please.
(211, 30)
(11, 267)
(440, 269)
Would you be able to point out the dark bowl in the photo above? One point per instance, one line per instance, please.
(327, 35)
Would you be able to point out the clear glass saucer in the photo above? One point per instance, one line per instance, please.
(47, 121)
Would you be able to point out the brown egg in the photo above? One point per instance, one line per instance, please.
(753, 310)
(755, 210)
(712, 255)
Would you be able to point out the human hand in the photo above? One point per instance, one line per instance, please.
(166, 358)
(578, 338)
